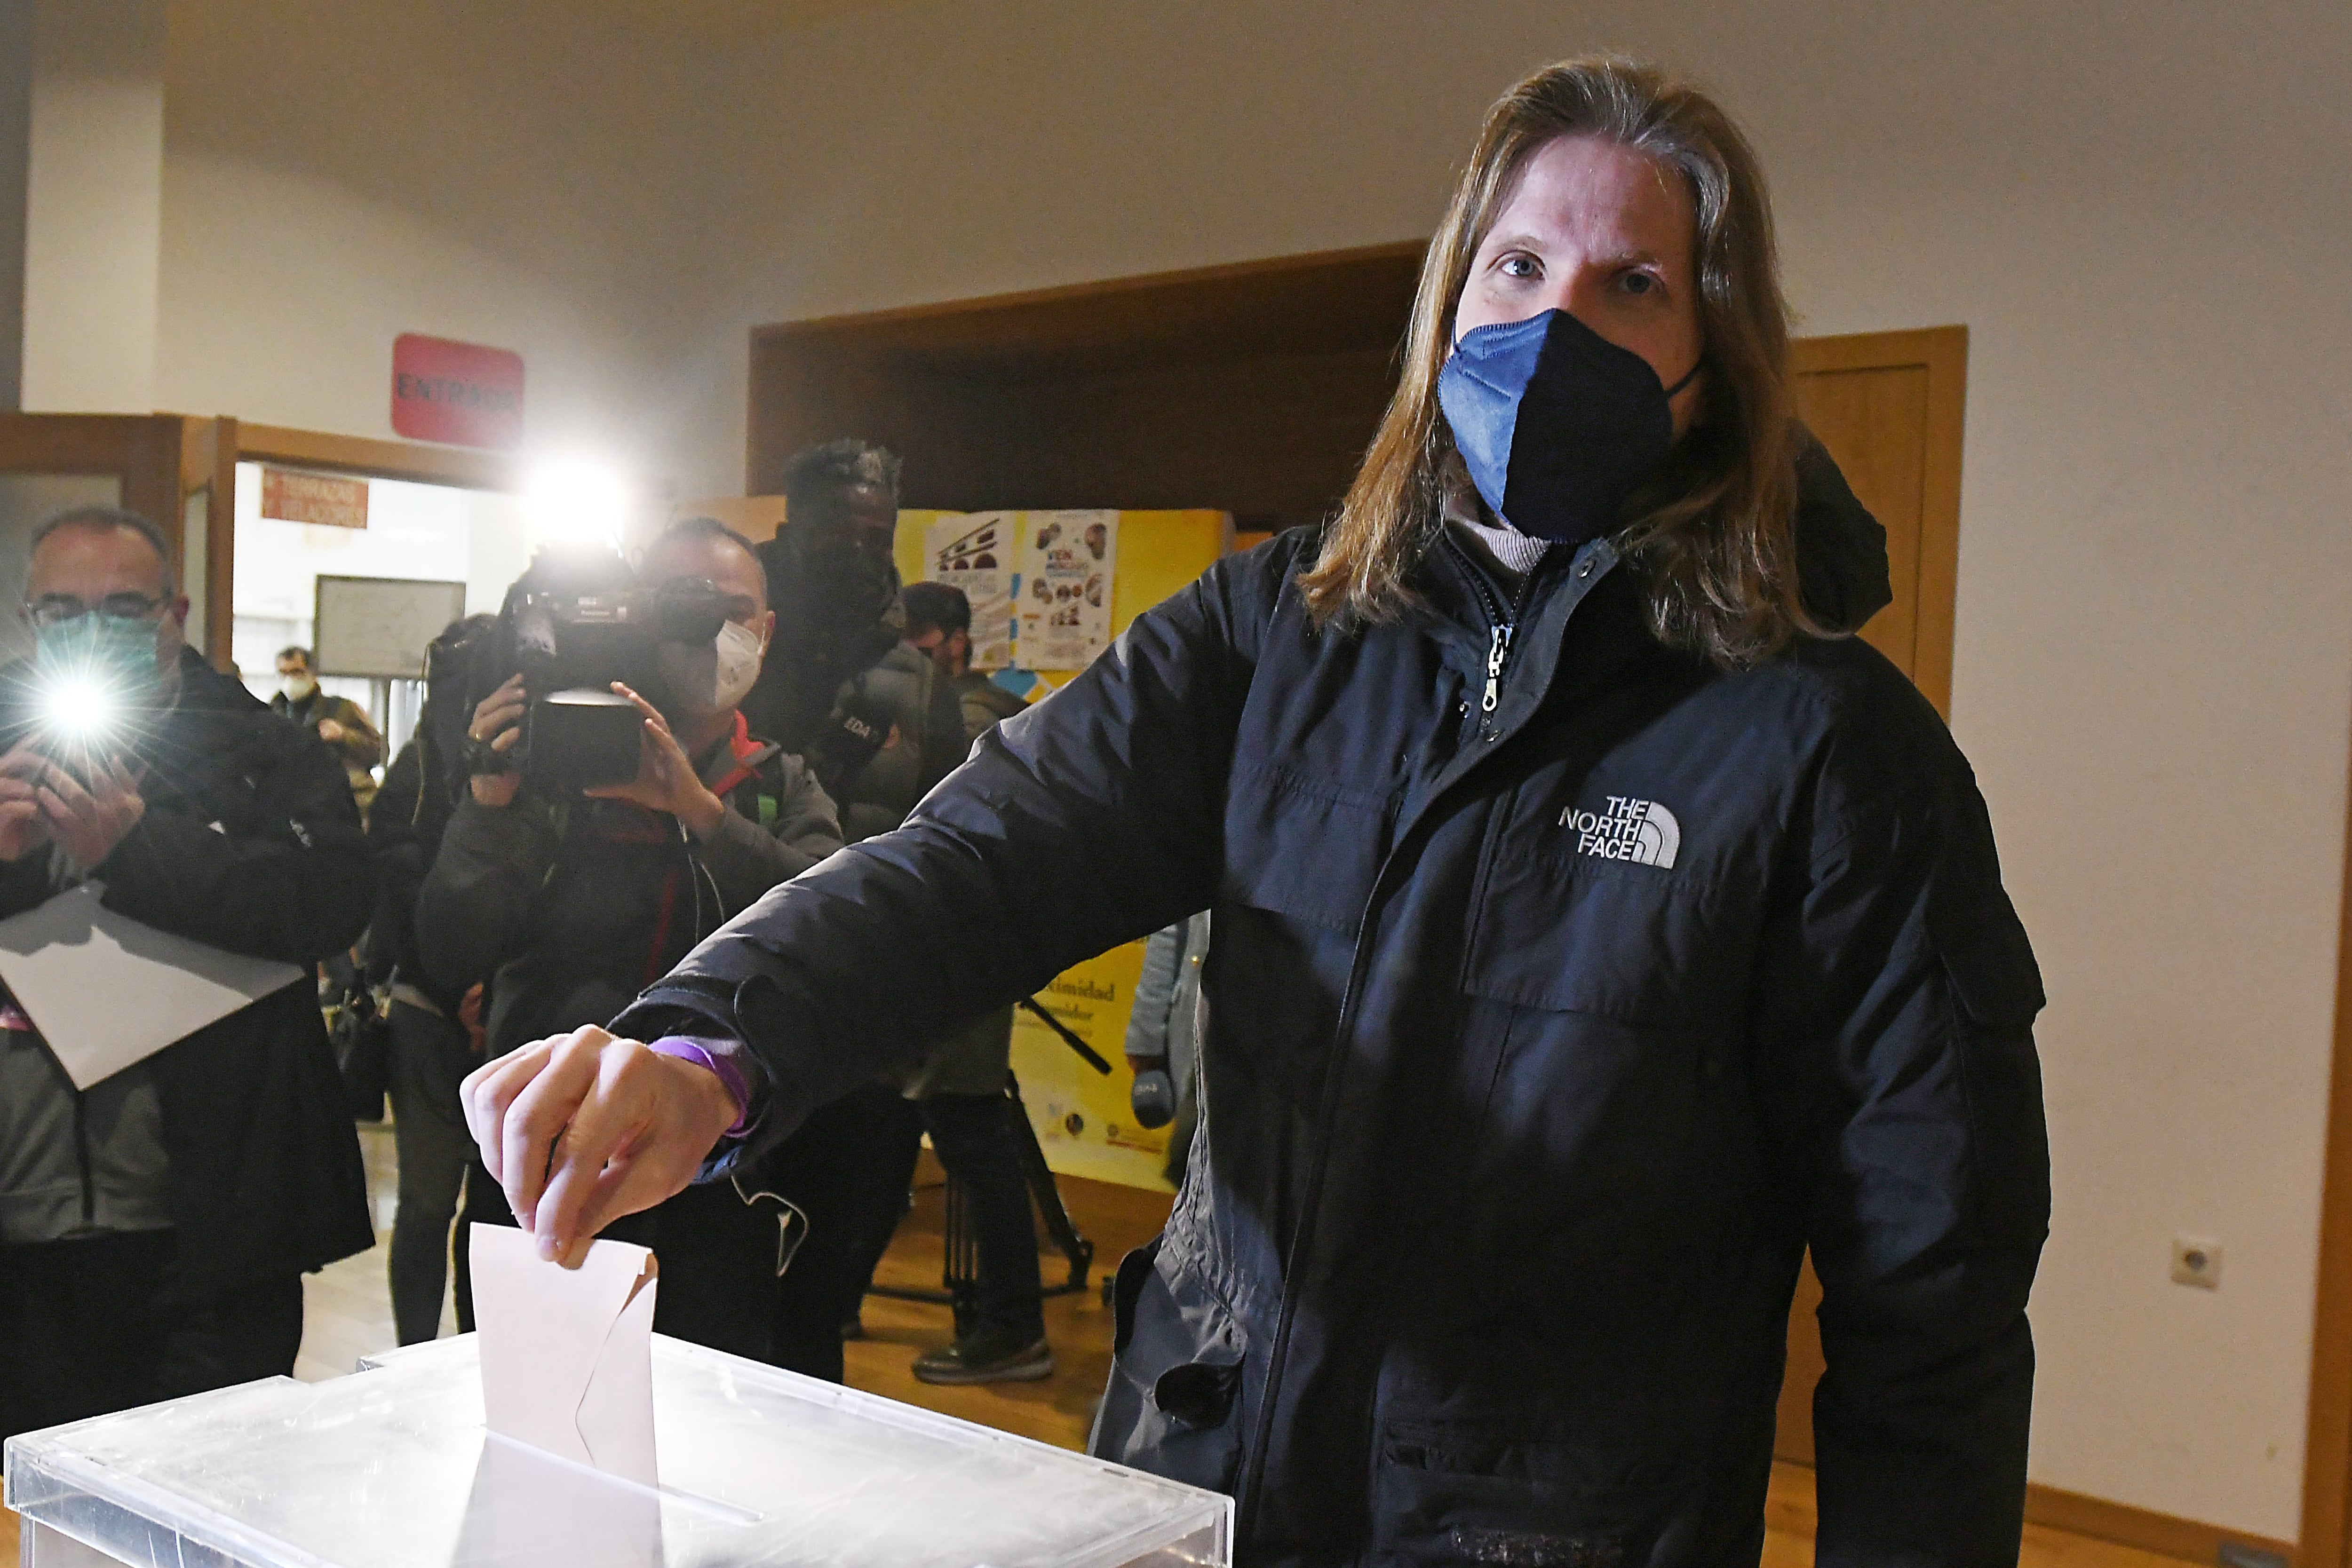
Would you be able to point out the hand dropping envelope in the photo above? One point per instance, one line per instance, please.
(106, 991)
(567, 1353)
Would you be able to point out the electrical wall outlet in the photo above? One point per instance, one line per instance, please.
(2197, 1260)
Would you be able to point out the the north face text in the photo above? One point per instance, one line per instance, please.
(1625, 829)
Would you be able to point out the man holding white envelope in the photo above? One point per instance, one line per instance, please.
(175, 1151)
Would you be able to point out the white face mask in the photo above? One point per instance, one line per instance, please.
(296, 688)
(715, 676)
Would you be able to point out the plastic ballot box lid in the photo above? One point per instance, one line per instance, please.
(389, 1468)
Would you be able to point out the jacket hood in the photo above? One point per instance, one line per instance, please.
(1840, 548)
(974, 686)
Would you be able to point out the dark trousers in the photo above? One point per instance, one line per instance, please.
(717, 1257)
(979, 1147)
(884, 1180)
(430, 1057)
(828, 1169)
(94, 1325)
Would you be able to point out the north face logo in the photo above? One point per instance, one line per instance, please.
(1625, 829)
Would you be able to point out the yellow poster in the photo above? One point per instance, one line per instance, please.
(1082, 1118)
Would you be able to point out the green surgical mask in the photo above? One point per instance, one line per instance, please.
(116, 651)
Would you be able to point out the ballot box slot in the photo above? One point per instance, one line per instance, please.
(712, 1507)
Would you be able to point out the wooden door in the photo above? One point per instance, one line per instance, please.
(1887, 406)
(49, 461)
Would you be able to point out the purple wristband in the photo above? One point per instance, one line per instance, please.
(730, 1075)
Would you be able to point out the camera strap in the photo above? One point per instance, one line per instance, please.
(744, 757)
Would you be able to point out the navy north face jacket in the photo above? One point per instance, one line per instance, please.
(1540, 1043)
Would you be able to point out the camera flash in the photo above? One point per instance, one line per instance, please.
(575, 501)
(82, 708)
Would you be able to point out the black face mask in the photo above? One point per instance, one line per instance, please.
(1557, 425)
(847, 589)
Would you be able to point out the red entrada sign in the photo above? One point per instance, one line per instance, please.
(460, 393)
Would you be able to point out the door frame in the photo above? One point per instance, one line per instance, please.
(2328, 1440)
(143, 451)
(1943, 354)
(362, 456)
(162, 461)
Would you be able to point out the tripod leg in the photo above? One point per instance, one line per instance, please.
(1048, 1197)
(961, 1276)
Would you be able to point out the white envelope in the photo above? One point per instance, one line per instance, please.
(529, 1510)
(567, 1353)
(106, 991)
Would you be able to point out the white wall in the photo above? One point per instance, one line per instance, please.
(2139, 210)
(93, 169)
(339, 172)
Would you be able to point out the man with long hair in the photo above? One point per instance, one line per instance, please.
(1596, 930)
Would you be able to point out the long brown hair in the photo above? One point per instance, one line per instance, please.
(1713, 534)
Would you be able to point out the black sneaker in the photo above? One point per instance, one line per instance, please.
(987, 1355)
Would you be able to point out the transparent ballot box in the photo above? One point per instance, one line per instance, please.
(389, 1468)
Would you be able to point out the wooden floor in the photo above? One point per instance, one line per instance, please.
(349, 1314)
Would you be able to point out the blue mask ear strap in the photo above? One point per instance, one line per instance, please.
(1687, 379)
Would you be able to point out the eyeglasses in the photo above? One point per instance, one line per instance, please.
(735, 606)
(57, 609)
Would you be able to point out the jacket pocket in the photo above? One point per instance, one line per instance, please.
(1303, 847)
(1619, 940)
(1172, 1406)
(1609, 1145)
(1458, 1492)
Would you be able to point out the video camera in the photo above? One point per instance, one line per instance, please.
(571, 625)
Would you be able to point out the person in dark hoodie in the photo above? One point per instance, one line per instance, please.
(833, 583)
(1594, 931)
(154, 1227)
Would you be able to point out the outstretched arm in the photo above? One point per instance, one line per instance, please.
(1086, 821)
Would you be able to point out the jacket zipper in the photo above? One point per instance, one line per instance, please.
(1503, 621)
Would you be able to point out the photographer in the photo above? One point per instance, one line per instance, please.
(566, 906)
(897, 728)
(155, 1228)
(833, 582)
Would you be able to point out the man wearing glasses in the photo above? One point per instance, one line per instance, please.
(155, 1228)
